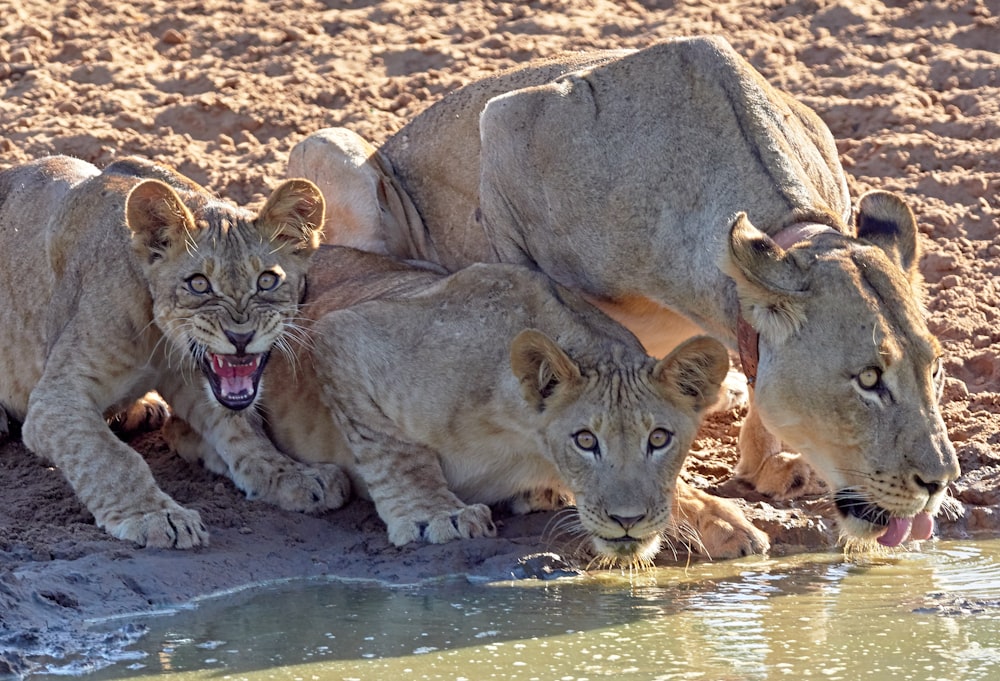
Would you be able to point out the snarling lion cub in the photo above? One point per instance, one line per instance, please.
(135, 279)
(670, 180)
(443, 394)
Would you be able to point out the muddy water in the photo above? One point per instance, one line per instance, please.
(928, 614)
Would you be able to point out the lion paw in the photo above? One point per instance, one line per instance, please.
(726, 533)
(148, 413)
(174, 527)
(319, 487)
(714, 527)
(541, 499)
(475, 520)
(783, 476)
(733, 393)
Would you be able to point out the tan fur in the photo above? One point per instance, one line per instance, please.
(447, 394)
(623, 176)
(96, 311)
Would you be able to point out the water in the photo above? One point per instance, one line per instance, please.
(928, 615)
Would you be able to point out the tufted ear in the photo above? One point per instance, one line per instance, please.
(886, 221)
(695, 369)
(158, 219)
(769, 283)
(293, 216)
(542, 367)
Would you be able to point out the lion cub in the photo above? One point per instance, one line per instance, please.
(117, 283)
(442, 394)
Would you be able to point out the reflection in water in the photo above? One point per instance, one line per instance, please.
(919, 615)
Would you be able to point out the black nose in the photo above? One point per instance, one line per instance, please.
(932, 487)
(627, 521)
(239, 340)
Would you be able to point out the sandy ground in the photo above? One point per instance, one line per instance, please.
(223, 89)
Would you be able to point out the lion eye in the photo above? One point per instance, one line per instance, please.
(267, 281)
(199, 284)
(659, 439)
(870, 378)
(938, 369)
(586, 441)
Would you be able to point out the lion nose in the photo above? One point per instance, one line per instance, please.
(239, 340)
(932, 486)
(627, 521)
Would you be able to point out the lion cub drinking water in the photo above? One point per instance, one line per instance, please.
(135, 279)
(442, 394)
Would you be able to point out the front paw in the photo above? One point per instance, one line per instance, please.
(148, 413)
(540, 499)
(783, 476)
(174, 527)
(468, 522)
(714, 527)
(725, 532)
(316, 488)
(733, 392)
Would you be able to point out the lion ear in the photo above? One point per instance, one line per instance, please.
(885, 220)
(769, 283)
(542, 367)
(293, 216)
(695, 370)
(158, 219)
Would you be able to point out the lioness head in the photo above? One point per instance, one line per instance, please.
(225, 284)
(849, 374)
(618, 433)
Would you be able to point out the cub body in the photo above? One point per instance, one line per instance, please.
(131, 280)
(441, 395)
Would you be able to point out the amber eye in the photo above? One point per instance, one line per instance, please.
(870, 378)
(586, 441)
(659, 439)
(267, 281)
(199, 284)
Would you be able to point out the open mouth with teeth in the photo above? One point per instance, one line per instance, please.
(894, 530)
(234, 378)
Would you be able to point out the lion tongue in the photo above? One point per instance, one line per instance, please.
(923, 526)
(235, 373)
(897, 531)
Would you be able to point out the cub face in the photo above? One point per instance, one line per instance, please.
(225, 284)
(618, 434)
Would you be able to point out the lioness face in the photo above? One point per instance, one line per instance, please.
(849, 374)
(225, 284)
(618, 434)
(860, 401)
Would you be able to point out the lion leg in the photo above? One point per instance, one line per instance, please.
(112, 480)
(713, 526)
(411, 494)
(770, 470)
(191, 446)
(234, 445)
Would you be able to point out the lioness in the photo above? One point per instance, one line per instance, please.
(637, 178)
(442, 394)
(135, 279)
